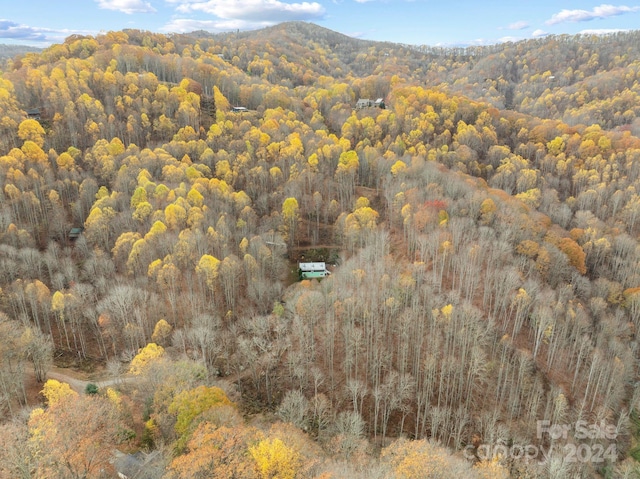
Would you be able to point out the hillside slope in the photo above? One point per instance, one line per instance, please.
(482, 229)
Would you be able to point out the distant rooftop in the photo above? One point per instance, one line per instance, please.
(75, 232)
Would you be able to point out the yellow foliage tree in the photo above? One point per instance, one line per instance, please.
(487, 211)
(161, 332)
(207, 269)
(274, 459)
(156, 229)
(289, 218)
(556, 146)
(74, 438)
(362, 202)
(195, 198)
(31, 130)
(142, 212)
(191, 403)
(135, 261)
(65, 161)
(361, 222)
(123, 246)
(221, 101)
(345, 175)
(138, 196)
(423, 460)
(55, 391)
(347, 163)
(443, 217)
(175, 216)
(145, 357)
(33, 152)
(531, 197)
(116, 147)
(398, 167)
(290, 209)
(216, 453)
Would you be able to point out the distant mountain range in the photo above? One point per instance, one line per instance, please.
(576, 79)
(9, 51)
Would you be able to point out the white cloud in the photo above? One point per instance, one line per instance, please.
(13, 30)
(476, 42)
(32, 35)
(518, 26)
(602, 11)
(473, 43)
(508, 39)
(260, 11)
(601, 31)
(126, 6)
(185, 25)
(538, 33)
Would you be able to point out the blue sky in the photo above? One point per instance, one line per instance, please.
(418, 22)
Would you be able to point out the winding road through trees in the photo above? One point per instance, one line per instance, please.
(79, 384)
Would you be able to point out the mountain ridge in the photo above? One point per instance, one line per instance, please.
(9, 51)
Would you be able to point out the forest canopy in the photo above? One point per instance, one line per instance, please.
(481, 231)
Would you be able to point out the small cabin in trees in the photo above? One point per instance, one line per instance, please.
(74, 233)
(312, 270)
(33, 114)
(239, 109)
(366, 103)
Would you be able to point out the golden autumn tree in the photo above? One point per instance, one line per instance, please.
(97, 228)
(55, 391)
(138, 196)
(161, 331)
(346, 175)
(175, 216)
(423, 460)
(207, 269)
(58, 305)
(275, 460)
(217, 453)
(574, 252)
(145, 357)
(360, 223)
(65, 162)
(142, 211)
(398, 167)
(75, 437)
(487, 211)
(289, 219)
(189, 404)
(34, 152)
(31, 130)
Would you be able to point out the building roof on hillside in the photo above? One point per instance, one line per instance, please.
(312, 266)
(75, 232)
